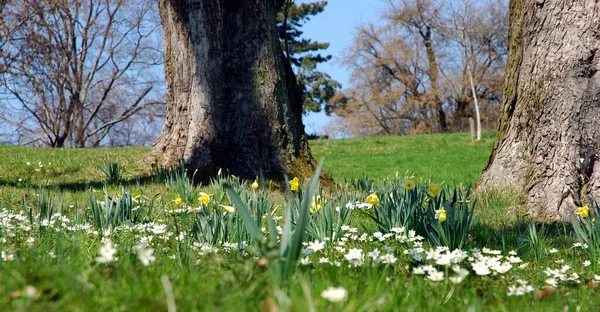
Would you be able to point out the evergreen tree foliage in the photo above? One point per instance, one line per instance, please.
(317, 87)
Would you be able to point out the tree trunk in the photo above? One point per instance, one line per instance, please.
(232, 100)
(550, 114)
(436, 101)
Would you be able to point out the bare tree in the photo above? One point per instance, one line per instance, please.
(411, 74)
(74, 70)
(478, 29)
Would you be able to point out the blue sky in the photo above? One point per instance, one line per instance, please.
(336, 25)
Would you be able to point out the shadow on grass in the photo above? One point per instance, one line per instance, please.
(517, 236)
(86, 185)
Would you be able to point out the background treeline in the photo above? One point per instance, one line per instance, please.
(90, 73)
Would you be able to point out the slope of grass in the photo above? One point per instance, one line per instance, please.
(440, 157)
(51, 263)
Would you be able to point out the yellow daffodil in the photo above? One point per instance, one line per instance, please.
(228, 208)
(255, 185)
(295, 184)
(204, 198)
(434, 190)
(178, 201)
(583, 212)
(440, 215)
(317, 204)
(409, 185)
(373, 199)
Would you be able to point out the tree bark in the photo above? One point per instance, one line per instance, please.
(232, 101)
(550, 114)
(436, 101)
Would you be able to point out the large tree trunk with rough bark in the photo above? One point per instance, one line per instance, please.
(232, 100)
(549, 127)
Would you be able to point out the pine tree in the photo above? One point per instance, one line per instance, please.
(317, 87)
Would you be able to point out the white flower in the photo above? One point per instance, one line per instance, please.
(354, 254)
(456, 279)
(458, 256)
(524, 265)
(587, 263)
(551, 282)
(28, 163)
(335, 294)
(553, 250)
(461, 275)
(305, 261)
(146, 255)
(481, 268)
(107, 253)
(374, 255)
(389, 258)
(159, 229)
(316, 246)
(324, 260)
(432, 254)
(429, 268)
(436, 276)
(513, 259)
(491, 251)
(419, 270)
(503, 268)
(444, 260)
(6, 256)
(519, 290)
(399, 230)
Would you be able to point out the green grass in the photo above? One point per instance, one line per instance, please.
(60, 261)
(449, 158)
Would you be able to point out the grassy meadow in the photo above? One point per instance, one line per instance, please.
(91, 229)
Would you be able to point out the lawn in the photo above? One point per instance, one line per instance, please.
(449, 158)
(73, 239)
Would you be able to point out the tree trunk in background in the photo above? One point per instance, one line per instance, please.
(550, 115)
(433, 76)
(232, 99)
